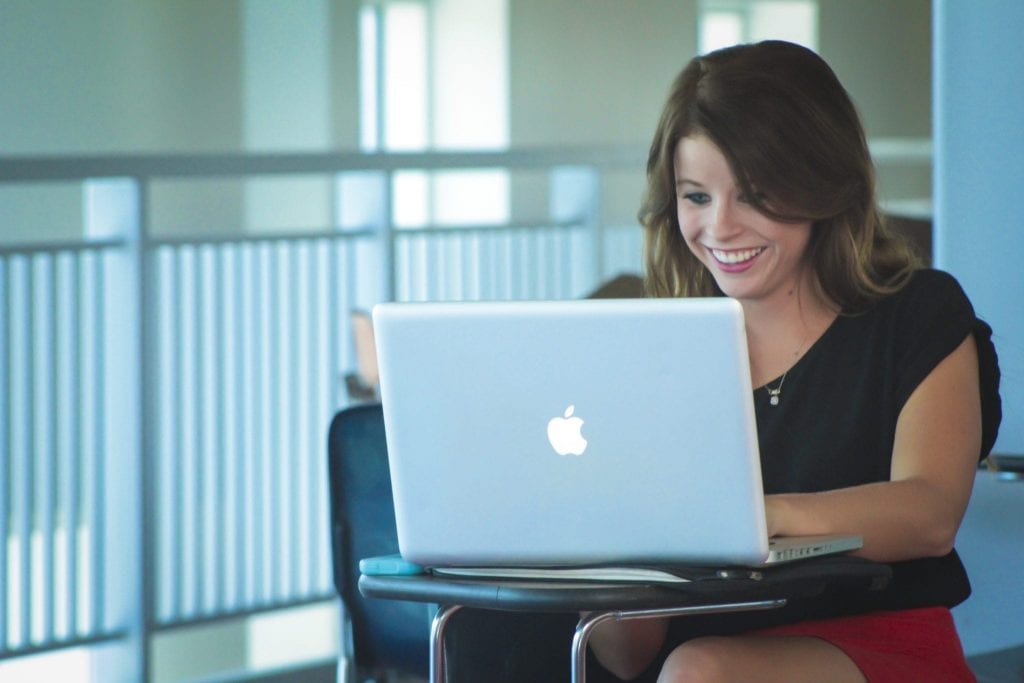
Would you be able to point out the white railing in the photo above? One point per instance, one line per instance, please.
(53, 473)
(168, 397)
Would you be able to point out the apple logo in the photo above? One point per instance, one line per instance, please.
(564, 434)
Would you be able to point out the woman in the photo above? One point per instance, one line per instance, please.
(877, 385)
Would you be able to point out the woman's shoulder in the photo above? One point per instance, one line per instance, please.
(932, 315)
(919, 324)
(934, 285)
(929, 297)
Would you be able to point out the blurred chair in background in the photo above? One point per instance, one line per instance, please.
(383, 640)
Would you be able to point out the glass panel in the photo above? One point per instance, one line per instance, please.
(410, 199)
(369, 84)
(471, 197)
(719, 29)
(405, 76)
(722, 23)
(792, 20)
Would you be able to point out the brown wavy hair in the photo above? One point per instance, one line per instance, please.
(790, 131)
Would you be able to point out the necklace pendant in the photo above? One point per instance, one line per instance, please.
(774, 400)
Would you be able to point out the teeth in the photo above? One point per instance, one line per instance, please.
(737, 256)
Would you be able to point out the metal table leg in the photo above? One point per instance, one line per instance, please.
(437, 626)
(586, 625)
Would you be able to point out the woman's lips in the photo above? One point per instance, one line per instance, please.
(735, 260)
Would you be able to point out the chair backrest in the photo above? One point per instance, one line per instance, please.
(386, 634)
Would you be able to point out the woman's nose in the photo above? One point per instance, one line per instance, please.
(723, 221)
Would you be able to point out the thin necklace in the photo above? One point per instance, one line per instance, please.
(774, 395)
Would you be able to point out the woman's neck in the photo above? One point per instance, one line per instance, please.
(781, 329)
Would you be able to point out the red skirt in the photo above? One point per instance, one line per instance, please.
(893, 647)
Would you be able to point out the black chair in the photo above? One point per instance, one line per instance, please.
(388, 638)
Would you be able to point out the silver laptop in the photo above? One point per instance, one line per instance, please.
(574, 433)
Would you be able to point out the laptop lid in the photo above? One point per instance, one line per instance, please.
(571, 432)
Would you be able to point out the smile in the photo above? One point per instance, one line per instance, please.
(735, 256)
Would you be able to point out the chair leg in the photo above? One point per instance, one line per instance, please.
(346, 672)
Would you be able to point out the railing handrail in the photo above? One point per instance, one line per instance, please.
(71, 168)
(35, 168)
(60, 246)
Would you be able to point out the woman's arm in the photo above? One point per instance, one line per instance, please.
(935, 455)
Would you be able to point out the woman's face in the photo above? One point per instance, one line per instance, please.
(752, 257)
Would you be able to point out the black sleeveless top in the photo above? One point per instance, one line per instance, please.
(835, 422)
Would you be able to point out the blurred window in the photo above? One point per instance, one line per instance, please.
(434, 76)
(722, 23)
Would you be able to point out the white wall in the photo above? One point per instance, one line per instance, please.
(881, 51)
(116, 76)
(594, 72)
(140, 76)
(286, 94)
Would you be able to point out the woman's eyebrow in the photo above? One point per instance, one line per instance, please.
(687, 181)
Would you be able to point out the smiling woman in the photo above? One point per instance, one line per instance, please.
(761, 188)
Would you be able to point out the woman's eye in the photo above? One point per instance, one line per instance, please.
(698, 198)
